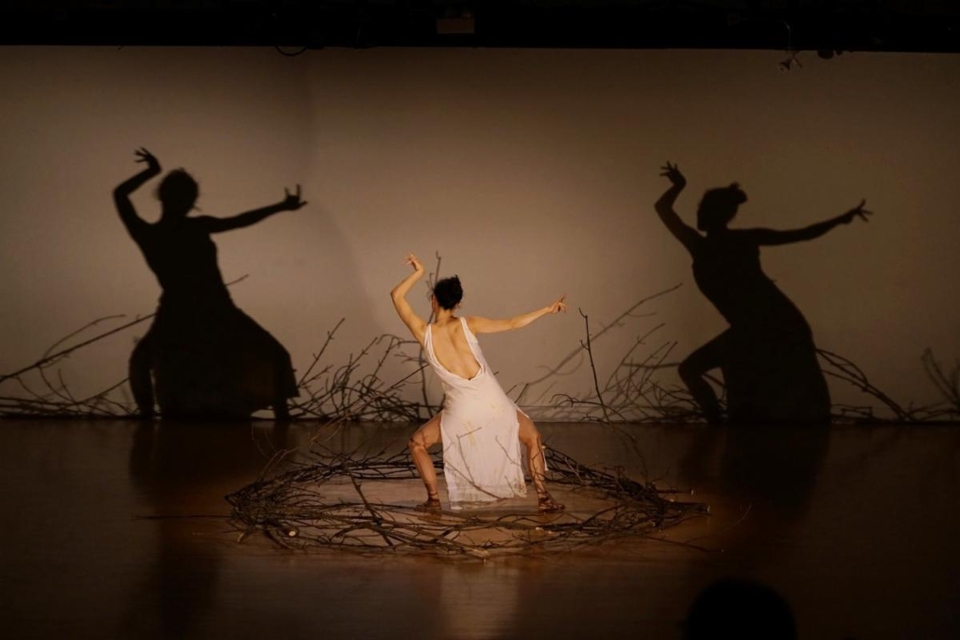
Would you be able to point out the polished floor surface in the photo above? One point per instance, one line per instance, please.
(117, 530)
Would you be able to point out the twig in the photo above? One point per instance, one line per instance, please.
(593, 366)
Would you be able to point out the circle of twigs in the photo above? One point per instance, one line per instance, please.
(294, 511)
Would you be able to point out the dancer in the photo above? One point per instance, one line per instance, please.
(479, 427)
(208, 358)
(767, 356)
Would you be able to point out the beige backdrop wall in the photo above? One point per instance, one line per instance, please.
(531, 172)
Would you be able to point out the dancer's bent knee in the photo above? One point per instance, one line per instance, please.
(687, 370)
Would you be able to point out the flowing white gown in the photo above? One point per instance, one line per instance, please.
(479, 429)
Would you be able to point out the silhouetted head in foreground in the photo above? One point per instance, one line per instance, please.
(178, 193)
(719, 206)
(740, 609)
(447, 293)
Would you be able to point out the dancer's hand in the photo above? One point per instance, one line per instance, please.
(559, 305)
(145, 156)
(414, 262)
(858, 210)
(672, 173)
(291, 201)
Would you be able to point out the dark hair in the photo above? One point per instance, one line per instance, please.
(719, 206)
(740, 609)
(448, 292)
(179, 190)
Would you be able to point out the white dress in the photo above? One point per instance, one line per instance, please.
(479, 428)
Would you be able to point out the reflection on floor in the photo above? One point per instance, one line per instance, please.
(118, 530)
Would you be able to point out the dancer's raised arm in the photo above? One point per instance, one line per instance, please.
(774, 237)
(487, 325)
(290, 202)
(410, 318)
(121, 195)
(664, 207)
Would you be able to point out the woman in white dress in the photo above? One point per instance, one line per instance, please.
(480, 427)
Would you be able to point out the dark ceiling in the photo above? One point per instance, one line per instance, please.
(841, 25)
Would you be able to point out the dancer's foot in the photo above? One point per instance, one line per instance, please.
(546, 504)
(432, 505)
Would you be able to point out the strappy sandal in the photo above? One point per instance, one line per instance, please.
(432, 505)
(546, 504)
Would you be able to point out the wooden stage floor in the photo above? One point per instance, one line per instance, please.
(857, 527)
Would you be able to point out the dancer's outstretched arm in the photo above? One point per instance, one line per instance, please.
(773, 237)
(410, 318)
(121, 195)
(664, 207)
(290, 202)
(487, 325)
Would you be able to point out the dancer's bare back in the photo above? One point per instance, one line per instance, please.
(452, 350)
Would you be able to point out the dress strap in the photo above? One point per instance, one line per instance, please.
(466, 327)
(428, 340)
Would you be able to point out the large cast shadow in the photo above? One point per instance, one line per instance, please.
(767, 356)
(207, 358)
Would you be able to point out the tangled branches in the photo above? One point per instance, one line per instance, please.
(349, 392)
(632, 392)
(638, 388)
(355, 390)
(328, 500)
(841, 368)
(947, 383)
(45, 393)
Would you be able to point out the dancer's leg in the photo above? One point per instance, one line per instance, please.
(285, 385)
(530, 438)
(424, 438)
(692, 371)
(141, 362)
(281, 413)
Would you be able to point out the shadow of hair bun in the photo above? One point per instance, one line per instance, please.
(737, 195)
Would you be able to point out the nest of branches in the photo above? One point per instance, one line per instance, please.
(328, 501)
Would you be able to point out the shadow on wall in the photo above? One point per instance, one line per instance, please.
(767, 356)
(208, 359)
